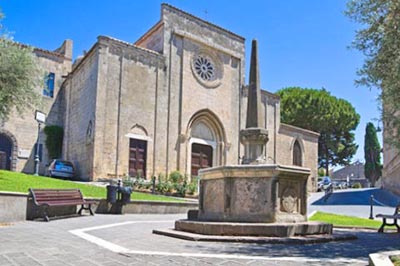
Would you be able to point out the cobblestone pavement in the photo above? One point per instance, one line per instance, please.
(128, 240)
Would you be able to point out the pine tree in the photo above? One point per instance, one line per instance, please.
(334, 118)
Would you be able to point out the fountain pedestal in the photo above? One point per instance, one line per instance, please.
(253, 200)
(253, 193)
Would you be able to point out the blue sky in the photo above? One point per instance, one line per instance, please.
(301, 43)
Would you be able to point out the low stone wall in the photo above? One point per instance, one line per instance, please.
(15, 207)
(12, 207)
(145, 207)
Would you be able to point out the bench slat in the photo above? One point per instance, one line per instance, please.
(388, 216)
(56, 197)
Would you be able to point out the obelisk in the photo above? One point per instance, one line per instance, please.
(254, 137)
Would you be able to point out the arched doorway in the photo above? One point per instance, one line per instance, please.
(6, 152)
(206, 145)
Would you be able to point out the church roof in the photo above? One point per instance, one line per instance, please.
(165, 5)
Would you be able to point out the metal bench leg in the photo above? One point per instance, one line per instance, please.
(45, 215)
(80, 210)
(90, 209)
(395, 223)
(382, 226)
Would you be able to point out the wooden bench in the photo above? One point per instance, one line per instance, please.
(46, 198)
(394, 217)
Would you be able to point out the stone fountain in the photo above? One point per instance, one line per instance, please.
(254, 198)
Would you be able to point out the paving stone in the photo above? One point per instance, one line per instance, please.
(232, 263)
(86, 263)
(25, 261)
(113, 263)
(4, 260)
(55, 263)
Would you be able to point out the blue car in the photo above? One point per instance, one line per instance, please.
(61, 169)
(326, 182)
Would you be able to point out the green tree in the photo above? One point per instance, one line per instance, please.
(19, 76)
(54, 139)
(319, 111)
(379, 40)
(372, 155)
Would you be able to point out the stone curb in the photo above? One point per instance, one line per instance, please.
(260, 240)
(382, 258)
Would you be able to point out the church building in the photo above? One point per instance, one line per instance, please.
(175, 99)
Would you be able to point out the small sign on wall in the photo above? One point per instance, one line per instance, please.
(23, 153)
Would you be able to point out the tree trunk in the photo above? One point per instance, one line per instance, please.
(326, 161)
(372, 180)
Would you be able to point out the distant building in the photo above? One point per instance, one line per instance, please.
(354, 173)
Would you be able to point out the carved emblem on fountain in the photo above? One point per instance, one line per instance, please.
(289, 200)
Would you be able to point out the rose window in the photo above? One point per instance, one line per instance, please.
(204, 68)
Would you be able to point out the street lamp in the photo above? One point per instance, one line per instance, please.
(378, 128)
(41, 119)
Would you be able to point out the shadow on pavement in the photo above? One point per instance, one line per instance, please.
(360, 197)
(368, 242)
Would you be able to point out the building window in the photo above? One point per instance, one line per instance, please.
(207, 68)
(204, 67)
(297, 160)
(49, 85)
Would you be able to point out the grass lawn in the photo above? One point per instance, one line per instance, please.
(395, 260)
(348, 221)
(18, 182)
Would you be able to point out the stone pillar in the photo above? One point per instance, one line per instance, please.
(254, 140)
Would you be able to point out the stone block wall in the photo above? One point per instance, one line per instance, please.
(80, 114)
(391, 169)
(308, 141)
(129, 81)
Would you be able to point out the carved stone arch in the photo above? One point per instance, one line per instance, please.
(300, 140)
(297, 151)
(210, 119)
(14, 148)
(139, 129)
(205, 128)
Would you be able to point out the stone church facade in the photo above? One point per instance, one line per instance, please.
(174, 100)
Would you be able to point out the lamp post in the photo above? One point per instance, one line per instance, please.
(40, 118)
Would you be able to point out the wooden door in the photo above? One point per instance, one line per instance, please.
(3, 160)
(201, 157)
(137, 158)
(5, 150)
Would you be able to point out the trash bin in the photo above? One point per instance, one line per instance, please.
(112, 193)
(125, 194)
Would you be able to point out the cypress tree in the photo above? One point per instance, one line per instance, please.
(372, 155)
